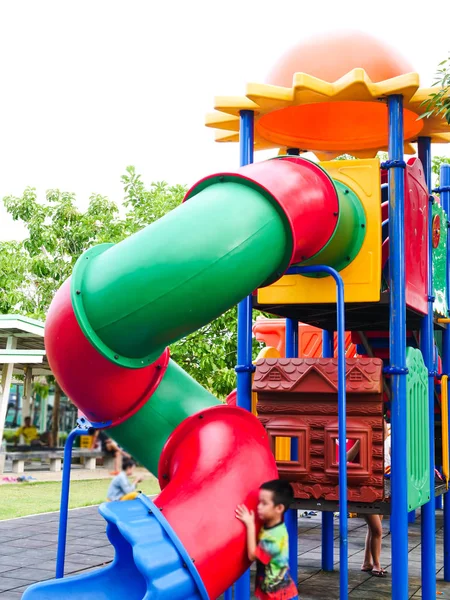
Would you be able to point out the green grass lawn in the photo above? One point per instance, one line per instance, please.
(22, 499)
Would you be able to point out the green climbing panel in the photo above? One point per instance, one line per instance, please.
(439, 244)
(418, 446)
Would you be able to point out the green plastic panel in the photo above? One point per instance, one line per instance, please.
(439, 224)
(177, 397)
(418, 446)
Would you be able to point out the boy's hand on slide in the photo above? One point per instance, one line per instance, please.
(245, 515)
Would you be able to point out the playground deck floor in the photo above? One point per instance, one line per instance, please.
(28, 552)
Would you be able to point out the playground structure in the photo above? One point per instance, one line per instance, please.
(346, 241)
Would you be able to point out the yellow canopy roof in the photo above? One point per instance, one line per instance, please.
(329, 119)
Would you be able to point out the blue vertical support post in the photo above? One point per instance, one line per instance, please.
(228, 595)
(291, 343)
(445, 202)
(428, 524)
(291, 518)
(397, 349)
(244, 367)
(342, 436)
(327, 516)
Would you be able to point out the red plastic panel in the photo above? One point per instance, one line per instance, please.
(300, 395)
(273, 333)
(416, 236)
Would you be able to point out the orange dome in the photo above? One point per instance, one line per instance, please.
(330, 56)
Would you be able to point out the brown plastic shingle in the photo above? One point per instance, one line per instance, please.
(297, 398)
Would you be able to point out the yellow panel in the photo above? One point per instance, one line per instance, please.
(268, 352)
(283, 449)
(86, 441)
(362, 278)
(444, 420)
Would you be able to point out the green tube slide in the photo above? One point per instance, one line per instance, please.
(134, 298)
(348, 237)
(177, 397)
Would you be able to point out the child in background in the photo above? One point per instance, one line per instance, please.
(120, 488)
(271, 550)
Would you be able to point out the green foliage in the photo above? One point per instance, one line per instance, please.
(58, 233)
(147, 205)
(9, 435)
(436, 163)
(381, 155)
(345, 157)
(438, 102)
(41, 388)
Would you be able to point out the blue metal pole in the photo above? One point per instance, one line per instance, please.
(327, 516)
(83, 428)
(228, 595)
(244, 366)
(428, 524)
(342, 421)
(397, 347)
(64, 505)
(291, 518)
(412, 516)
(445, 201)
(291, 342)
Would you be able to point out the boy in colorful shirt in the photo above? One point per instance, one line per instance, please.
(271, 550)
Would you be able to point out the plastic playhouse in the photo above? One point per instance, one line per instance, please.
(352, 258)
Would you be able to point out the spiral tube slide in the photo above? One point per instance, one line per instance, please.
(106, 338)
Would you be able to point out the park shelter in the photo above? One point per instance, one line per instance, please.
(22, 352)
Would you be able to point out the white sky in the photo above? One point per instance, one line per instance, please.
(91, 86)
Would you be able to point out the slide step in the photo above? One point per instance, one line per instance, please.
(150, 562)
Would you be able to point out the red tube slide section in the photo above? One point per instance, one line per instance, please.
(208, 465)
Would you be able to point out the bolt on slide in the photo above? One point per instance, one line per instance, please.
(106, 336)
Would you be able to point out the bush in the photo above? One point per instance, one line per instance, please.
(8, 435)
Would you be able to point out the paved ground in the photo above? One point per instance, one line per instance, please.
(28, 552)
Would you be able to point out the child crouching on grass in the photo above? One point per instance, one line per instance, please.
(120, 488)
(271, 550)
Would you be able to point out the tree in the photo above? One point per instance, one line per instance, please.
(438, 102)
(436, 163)
(58, 233)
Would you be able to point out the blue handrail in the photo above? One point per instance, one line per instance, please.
(342, 418)
(327, 516)
(84, 427)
